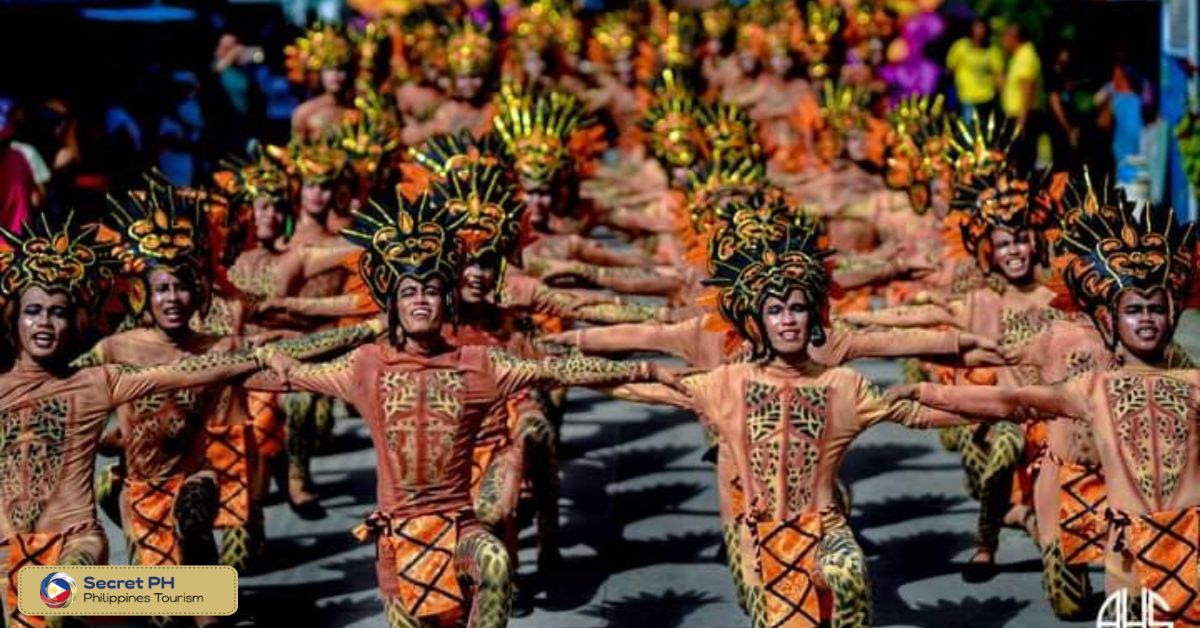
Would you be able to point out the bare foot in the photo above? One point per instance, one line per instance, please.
(981, 567)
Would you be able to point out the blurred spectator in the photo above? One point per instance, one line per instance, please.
(908, 71)
(18, 188)
(237, 101)
(180, 130)
(1066, 121)
(1127, 103)
(1022, 91)
(978, 68)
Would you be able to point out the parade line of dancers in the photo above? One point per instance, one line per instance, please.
(422, 253)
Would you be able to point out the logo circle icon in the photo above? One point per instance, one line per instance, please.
(57, 590)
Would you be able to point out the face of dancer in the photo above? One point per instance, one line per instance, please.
(333, 80)
(172, 301)
(478, 281)
(44, 323)
(268, 220)
(787, 323)
(467, 87)
(1012, 254)
(537, 207)
(315, 198)
(1144, 322)
(421, 306)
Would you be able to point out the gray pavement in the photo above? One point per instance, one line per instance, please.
(641, 536)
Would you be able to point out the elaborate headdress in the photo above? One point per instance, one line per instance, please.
(730, 132)
(712, 187)
(369, 138)
(482, 208)
(981, 146)
(536, 129)
(614, 37)
(446, 153)
(717, 21)
(469, 51)
(673, 122)
(317, 161)
(843, 109)
(767, 250)
(917, 148)
(413, 240)
(160, 228)
(322, 47)
(263, 175)
(821, 28)
(66, 258)
(1004, 198)
(1114, 245)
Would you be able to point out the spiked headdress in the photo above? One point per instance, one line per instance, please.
(765, 250)
(730, 132)
(263, 175)
(321, 48)
(160, 228)
(65, 258)
(673, 122)
(1002, 198)
(468, 50)
(536, 129)
(917, 148)
(1114, 245)
(411, 240)
(482, 208)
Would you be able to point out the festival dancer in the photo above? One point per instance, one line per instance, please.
(424, 402)
(321, 60)
(53, 413)
(465, 67)
(786, 422)
(1131, 269)
(1003, 219)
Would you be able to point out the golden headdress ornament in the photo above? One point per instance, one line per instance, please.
(447, 153)
(469, 51)
(614, 37)
(730, 131)
(821, 28)
(1114, 244)
(317, 161)
(767, 250)
(917, 145)
(482, 208)
(160, 228)
(369, 138)
(412, 240)
(980, 146)
(66, 258)
(323, 47)
(536, 128)
(263, 175)
(673, 122)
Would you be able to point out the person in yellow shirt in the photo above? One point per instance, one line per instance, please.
(978, 69)
(1021, 93)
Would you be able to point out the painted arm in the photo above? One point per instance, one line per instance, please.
(513, 373)
(874, 407)
(340, 306)
(316, 260)
(846, 344)
(686, 340)
(905, 316)
(640, 281)
(997, 403)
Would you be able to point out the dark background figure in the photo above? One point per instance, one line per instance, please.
(1066, 120)
(18, 188)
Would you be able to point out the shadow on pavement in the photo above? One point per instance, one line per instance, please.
(667, 610)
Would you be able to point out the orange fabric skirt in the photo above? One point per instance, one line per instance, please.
(1082, 500)
(415, 564)
(232, 455)
(787, 563)
(149, 515)
(268, 428)
(26, 549)
(1164, 547)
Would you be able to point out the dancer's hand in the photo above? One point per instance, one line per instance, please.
(277, 361)
(666, 376)
(903, 392)
(968, 341)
